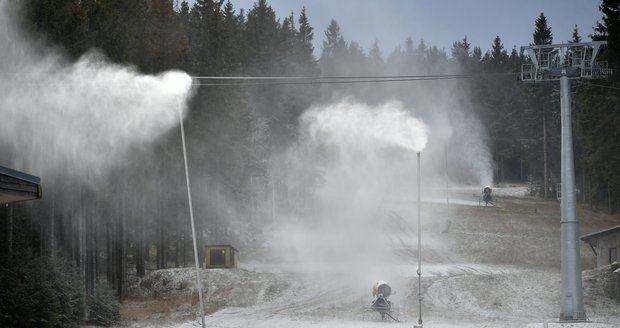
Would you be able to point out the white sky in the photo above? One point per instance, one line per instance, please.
(440, 22)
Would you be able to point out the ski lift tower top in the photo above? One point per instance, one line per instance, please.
(565, 62)
(578, 60)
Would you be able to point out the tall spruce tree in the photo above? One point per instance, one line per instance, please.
(460, 52)
(498, 56)
(575, 37)
(304, 48)
(599, 115)
(542, 32)
(542, 35)
(609, 30)
(334, 50)
(261, 40)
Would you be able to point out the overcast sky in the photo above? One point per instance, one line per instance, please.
(440, 22)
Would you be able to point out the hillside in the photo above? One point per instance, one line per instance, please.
(496, 265)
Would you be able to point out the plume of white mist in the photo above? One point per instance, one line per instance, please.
(81, 117)
(348, 230)
(387, 125)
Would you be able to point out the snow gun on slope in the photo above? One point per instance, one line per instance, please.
(380, 304)
(486, 195)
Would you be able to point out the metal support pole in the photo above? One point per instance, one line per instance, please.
(419, 270)
(447, 177)
(548, 62)
(572, 293)
(191, 217)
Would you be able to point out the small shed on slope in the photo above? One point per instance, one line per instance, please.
(605, 244)
(221, 256)
(17, 186)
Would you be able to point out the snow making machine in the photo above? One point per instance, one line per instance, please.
(486, 196)
(380, 304)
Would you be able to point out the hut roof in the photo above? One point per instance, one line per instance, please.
(17, 186)
(596, 235)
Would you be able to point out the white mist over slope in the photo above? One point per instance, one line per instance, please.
(83, 116)
(361, 220)
(360, 150)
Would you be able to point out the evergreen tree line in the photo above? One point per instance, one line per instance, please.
(244, 174)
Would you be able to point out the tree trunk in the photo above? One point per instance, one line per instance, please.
(611, 209)
(545, 163)
(184, 247)
(10, 231)
(52, 226)
(92, 247)
(140, 270)
(160, 217)
(590, 191)
(121, 265)
(583, 184)
(272, 177)
(502, 168)
(81, 249)
(176, 250)
(109, 251)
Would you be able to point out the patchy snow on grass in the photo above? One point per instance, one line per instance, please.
(492, 267)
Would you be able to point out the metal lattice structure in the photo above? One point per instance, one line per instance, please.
(578, 60)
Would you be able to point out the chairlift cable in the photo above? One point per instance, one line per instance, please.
(598, 85)
(274, 80)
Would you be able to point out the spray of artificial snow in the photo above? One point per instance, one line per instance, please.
(361, 150)
(81, 117)
(387, 125)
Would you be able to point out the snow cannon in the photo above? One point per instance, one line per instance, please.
(381, 289)
(380, 304)
(486, 195)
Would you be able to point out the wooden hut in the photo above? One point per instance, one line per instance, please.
(221, 256)
(604, 244)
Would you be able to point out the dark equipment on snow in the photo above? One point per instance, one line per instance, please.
(486, 196)
(380, 304)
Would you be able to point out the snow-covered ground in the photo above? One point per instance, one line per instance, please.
(482, 267)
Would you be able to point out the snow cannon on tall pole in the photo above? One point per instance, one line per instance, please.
(419, 269)
(565, 62)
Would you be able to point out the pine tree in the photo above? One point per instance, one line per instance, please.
(232, 41)
(334, 50)
(498, 56)
(333, 44)
(288, 42)
(576, 38)
(304, 48)
(261, 40)
(375, 59)
(609, 30)
(476, 55)
(460, 52)
(542, 33)
(598, 114)
(515, 59)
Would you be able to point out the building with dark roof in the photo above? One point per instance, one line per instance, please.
(17, 186)
(604, 244)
